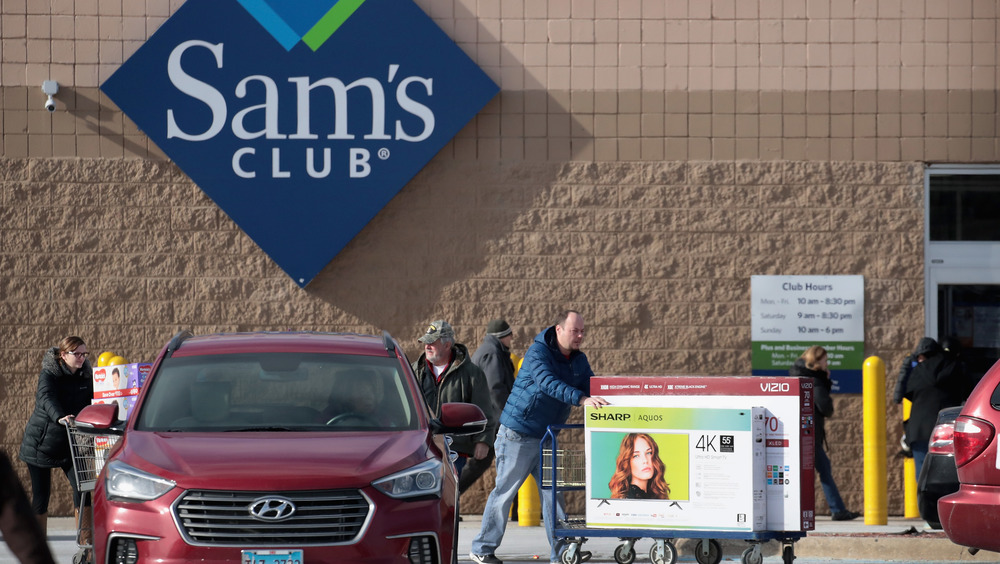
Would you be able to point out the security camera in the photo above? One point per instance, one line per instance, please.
(50, 88)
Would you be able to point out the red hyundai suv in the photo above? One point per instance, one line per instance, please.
(279, 448)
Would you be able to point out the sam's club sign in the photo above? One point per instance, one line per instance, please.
(301, 119)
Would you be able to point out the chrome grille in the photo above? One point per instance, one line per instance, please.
(221, 518)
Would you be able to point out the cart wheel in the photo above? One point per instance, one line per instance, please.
(622, 557)
(565, 557)
(751, 556)
(83, 556)
(710, 553)
(788, 554)
(668, 557)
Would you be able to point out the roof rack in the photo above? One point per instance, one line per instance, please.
(176, 340)
(390, 346)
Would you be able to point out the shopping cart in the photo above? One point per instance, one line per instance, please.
(565, 469)
(89, 451)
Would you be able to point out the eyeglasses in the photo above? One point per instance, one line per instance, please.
(79, 354)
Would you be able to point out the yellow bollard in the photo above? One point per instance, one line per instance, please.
(529, 505)
(876, 491)
(910, 508)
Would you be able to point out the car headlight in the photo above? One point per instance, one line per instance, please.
(422, 479)
(125, 483)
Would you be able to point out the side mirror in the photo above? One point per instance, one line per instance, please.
(460, 419)
(102, 418)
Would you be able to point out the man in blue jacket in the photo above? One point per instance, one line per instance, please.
(554, 376)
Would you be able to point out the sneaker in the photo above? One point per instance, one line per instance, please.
(845, 515)
(485, 558)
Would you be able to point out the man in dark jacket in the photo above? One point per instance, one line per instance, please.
(493, 357)
(446, 374)
(936, 382)
(555, 376)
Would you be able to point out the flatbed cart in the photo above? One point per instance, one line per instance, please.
(89, 452)
(564, 470)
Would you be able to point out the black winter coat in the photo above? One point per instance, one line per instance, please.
(821, 397)
(59, 394)
(494, 359)
(934, 384)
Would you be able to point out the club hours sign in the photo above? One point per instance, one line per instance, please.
(791, 313)
(301, 119)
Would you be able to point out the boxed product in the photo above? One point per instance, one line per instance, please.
(789, 440)
(675, 468)
(120, 384)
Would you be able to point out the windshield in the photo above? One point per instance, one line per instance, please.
(277, 392)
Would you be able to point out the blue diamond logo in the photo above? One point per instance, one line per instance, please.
(300, 119)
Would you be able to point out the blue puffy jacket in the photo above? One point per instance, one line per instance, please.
(547, 385)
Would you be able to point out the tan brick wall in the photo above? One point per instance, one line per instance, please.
(658, 256)
(642, 161)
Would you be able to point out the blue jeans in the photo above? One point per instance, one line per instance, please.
(517, 456)
(825, 471)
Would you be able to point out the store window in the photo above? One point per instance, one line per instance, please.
(964, 207)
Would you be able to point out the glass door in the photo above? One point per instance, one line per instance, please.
(964, 312)
(962, 261)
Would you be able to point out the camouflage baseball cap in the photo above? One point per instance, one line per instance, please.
(436, 330)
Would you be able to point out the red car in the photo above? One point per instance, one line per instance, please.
(279, 448)
(969, 515)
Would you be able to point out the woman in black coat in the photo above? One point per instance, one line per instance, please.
(814, 364)
(65, 386)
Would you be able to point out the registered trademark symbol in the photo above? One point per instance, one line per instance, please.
(383, 153)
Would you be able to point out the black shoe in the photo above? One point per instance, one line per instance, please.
(845, 516)
(585, 555)
(485, 558)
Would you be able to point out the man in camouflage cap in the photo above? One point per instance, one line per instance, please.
(445, 373)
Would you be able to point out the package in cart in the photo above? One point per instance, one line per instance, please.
(120, 384)
(676, 468)
(788, 432)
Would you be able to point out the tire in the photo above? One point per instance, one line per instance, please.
(788, 554)
(622, 557)
(565, 558)
(714, 555)
(669, 558)
(749, 558)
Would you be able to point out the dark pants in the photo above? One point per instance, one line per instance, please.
(21, 531)
(473, 470)
(41, 487)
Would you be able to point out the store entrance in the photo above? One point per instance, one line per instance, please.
(962, 261)
(968, 316)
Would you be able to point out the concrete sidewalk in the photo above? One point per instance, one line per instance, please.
(900, 540)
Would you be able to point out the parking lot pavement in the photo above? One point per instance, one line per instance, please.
(900, 540)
